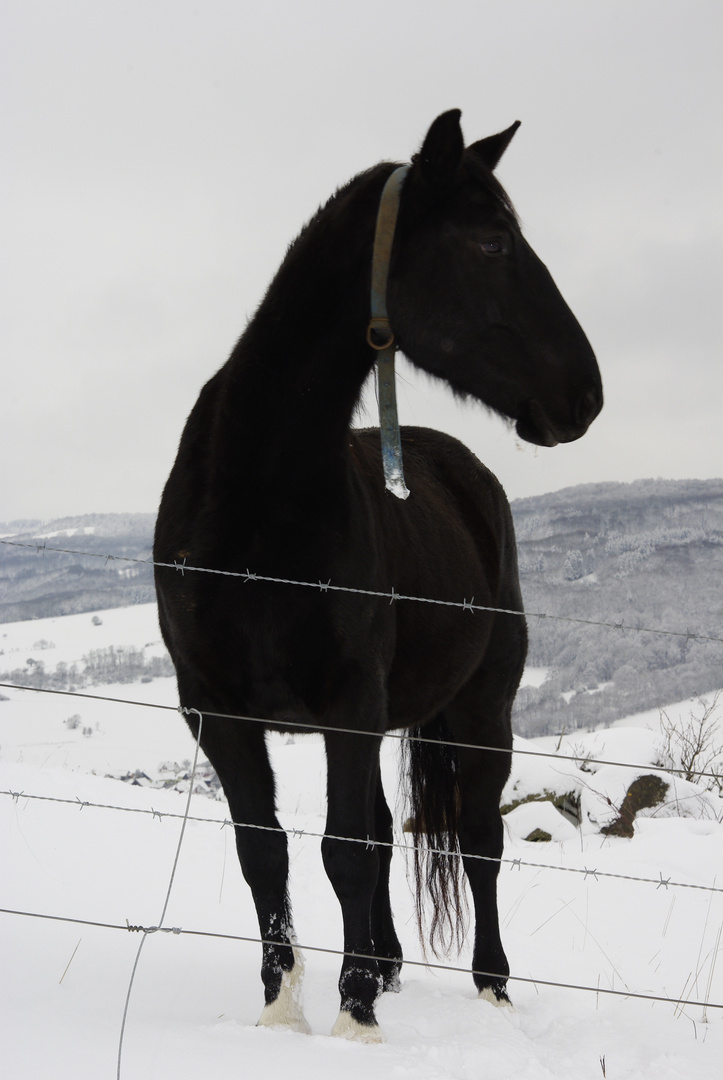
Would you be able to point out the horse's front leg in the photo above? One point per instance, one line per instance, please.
(353, 868)
(239, 755)
(386, 943)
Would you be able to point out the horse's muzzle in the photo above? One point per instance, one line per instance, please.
(535, 425)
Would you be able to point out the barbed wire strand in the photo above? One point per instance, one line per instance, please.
(167, 898)
(179, 931)
(393, 596)
(296, 832)
(285, 726)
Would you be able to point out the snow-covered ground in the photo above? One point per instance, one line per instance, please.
(196, 999)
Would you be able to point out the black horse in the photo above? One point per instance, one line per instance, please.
(270, 477)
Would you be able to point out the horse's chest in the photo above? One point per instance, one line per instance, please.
(282, 659)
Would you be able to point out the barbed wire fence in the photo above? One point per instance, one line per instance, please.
(315, 728)
(587, 872)
(392, 597)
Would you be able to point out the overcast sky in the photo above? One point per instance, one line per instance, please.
(159, 155)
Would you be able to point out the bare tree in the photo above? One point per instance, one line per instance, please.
(696, 744)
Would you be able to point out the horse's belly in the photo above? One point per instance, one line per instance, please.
(436, 653)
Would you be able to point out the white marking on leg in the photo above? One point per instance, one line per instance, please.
(346, 1027)
(489, 995)
(287, 1011)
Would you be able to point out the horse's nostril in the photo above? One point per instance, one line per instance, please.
(588, 407)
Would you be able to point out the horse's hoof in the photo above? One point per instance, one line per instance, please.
(286, 1011)
(500, 1002)
(346, 1027)
(269, 1018)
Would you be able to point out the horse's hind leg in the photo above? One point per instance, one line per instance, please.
(238, 753)
(481, 715)
(386, 943)
(482, 777)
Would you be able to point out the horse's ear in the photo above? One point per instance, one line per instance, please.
(493, 147)
(442, 149)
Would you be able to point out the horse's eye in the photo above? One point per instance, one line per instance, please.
(492, 247)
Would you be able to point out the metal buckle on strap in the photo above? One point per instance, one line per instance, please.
(379, 333)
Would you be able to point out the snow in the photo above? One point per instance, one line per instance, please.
(66, 638)
(86, 530)
(196, 1000)
(523, 820)
(534, 676)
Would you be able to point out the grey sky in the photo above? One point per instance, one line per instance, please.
(159, 155)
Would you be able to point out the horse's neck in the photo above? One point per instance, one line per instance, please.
(290, 391)
(290, 388)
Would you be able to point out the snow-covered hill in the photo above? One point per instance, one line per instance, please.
(196, 999)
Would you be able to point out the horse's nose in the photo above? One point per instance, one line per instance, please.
(588, 407)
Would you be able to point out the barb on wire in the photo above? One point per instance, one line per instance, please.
(153, 929)
(298, 833)
(392, 596)
(180, 931)
(320, 729)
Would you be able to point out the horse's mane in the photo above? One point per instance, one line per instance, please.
(473, 165)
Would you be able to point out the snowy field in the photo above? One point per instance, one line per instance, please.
(196, 999)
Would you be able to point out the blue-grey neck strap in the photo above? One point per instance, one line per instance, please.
(381, 336)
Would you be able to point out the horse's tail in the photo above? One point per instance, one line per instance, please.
(432, 784)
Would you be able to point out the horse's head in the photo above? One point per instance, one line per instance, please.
(470, 302)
